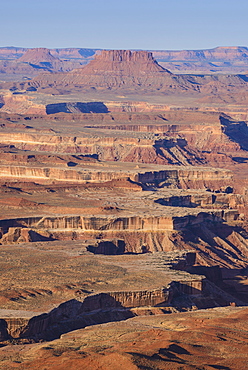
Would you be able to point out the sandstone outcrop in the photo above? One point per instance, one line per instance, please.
(103, 307)
(22, 104)
(110, 306)
(131, 223)
(194, 178)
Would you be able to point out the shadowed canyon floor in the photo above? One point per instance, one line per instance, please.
(208, 339)
(123, 222)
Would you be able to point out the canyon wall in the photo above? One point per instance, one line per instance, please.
(170, 142)
(198, 178)
(72, 315)
(116, 223)
(114, 306)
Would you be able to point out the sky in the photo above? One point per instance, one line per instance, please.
(124, 24)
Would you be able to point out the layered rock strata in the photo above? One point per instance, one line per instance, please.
(118, 223)
(192, 178)
(110, 306)
(140, 234)
(173, 141)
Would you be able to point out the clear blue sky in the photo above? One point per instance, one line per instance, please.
(124, 24)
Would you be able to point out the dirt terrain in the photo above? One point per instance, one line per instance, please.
(123, 219)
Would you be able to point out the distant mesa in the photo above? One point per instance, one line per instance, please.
(124, 62)
(228, 60)
(36, 60)
(137, 72)
(39, 56)
(220, 53)
(113, 69)
(128, 71)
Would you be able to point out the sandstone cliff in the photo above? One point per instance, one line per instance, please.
(109, 306)
(205, 232)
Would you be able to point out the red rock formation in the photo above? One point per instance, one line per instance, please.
(123, 63)
(111, 306)
(38, 56)
(116, 69)
(123, 69)
(35, 60)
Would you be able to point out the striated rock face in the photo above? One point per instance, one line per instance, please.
(186, 178)
(117, 223)
(73, 314)
(143, 138)
(125, 149)
(15, 326)
(214, 241)
(127, 299)
(125, 56)
(115, 306)
(95, 309)
(123, 62)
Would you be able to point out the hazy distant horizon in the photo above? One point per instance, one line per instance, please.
(94, 48)
(136, 24)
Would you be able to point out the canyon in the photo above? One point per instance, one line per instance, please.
(123, 212)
